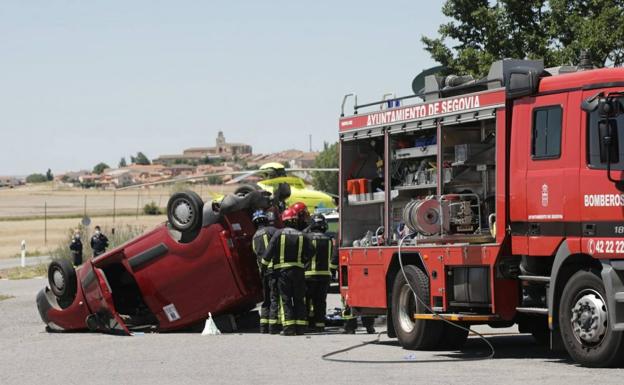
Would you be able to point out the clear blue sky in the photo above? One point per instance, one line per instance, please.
(89, 81)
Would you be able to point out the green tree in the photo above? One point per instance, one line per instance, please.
(36, 178)
(140, 158)
(100, 167)
(592, 25)
(49, 175)
(122, 162)
(483, 31)
(151, 209)
(328, 158)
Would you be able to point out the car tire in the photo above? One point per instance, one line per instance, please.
(412, 333)
(246, 189)
(62, 280)
(583, 298)
(184, 211)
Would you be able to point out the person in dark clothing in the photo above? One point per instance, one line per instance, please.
(99, 242)
(269, 320)
(289, 250)
(76, 248)
(351, 321)
(318, 272)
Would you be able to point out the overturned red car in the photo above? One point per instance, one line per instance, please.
(170, 278)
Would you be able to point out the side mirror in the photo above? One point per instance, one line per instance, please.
(608, 108)
(591, 104)
(608, 139)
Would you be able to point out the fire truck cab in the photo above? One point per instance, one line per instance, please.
(503, 199)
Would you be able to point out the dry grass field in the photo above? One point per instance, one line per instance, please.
(32, 231)
(22, 212)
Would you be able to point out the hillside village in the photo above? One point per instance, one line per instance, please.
(224, 157)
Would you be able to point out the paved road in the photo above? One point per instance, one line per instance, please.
(30, 261)
(29, 355)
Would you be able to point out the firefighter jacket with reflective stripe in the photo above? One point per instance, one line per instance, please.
(260, 242)
(288, 248)
(322, 261)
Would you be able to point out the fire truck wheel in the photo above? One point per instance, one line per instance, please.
(413, 333)
(584, 323)
(62, 281)
(453, 337)
(184, 211)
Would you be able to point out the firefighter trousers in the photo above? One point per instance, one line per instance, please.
(291, 284)
(276, 313)
(265, 306)
(316, 299)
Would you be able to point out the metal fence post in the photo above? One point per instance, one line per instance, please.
(45, 222)
(23, 259)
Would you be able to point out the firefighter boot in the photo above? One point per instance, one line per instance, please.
(289, 331)
(350, 326)
(264, 329)
(369, 324)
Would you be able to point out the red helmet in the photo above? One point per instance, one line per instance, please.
(299, 208)
(289, 215)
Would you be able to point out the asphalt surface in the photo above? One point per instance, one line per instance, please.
(30, 261)
(29, 355)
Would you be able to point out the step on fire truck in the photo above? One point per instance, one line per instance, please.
(504, 199)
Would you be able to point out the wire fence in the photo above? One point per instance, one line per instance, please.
(44, 218)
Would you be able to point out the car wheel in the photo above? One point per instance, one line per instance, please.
(584, 323)
(246, 189)
(62, 280)
(184, 211)
(413, 333)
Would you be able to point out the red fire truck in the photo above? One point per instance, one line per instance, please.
(502, 196)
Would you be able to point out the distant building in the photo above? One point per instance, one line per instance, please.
(120, 177)
(70, 177)
(223, 150)
(289, 158)
(10, 181)
(90, 179)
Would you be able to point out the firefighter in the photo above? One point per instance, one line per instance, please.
(303, 216)
(76, 248)
(318, 272)
(99, 242)
(289, 250)
(260, 242)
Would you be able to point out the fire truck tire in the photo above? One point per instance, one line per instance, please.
(453, 337)
(184, 211)
(62, 281)
(584, 323)
(412, 333)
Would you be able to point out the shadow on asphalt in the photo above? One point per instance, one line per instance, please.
(506, 347)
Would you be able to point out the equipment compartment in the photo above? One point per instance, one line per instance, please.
(446, 193)
(363, 192)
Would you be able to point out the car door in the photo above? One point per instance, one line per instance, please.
(98, 295)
